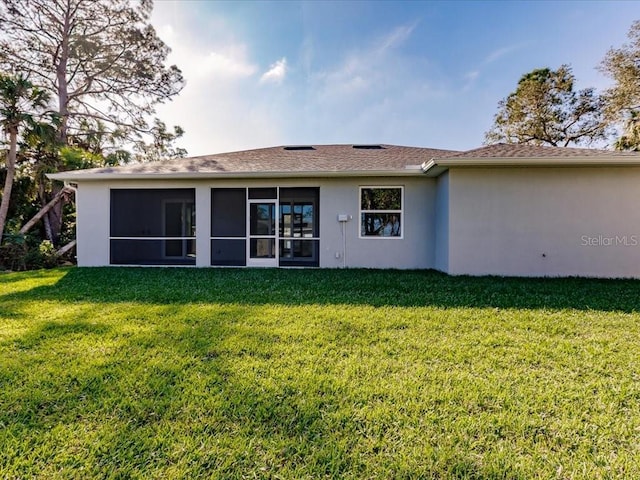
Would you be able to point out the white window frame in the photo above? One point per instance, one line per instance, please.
(399, 212)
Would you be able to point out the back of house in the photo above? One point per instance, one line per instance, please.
(497, 210)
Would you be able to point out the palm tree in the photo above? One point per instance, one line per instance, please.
(19, 98)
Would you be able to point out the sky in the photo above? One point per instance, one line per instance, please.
(426, 74)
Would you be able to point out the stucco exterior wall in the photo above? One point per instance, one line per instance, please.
(414, 250)
(442, 223)
(92, 224)
(545, 221)
(337, 196)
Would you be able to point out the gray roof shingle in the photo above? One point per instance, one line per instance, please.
(322, 158)
(514, 150)
(347, 159)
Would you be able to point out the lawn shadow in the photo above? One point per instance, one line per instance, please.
(144, 392)
(160, 388)
(402, 288)
(52, 331)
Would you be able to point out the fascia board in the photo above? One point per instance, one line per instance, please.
(76, 177)
(435, 167)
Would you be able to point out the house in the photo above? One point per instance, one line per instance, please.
(499, 210)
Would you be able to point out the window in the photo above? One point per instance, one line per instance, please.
(381, 212)
(299, 147)
(368, 147)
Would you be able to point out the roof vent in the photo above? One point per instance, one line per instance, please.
(299, 147)
(368, 147)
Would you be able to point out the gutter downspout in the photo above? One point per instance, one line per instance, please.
(71, 186)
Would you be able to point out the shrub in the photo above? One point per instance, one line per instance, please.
(18, 252)
(13, 252)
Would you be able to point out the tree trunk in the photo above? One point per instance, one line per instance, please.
(53, 217)
(43, 211)
(66, 248)
(47, 229)
(8, 182)
(61, 78)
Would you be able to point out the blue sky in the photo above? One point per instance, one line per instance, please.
(409, 73)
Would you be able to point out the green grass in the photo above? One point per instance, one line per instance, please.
(174, 373)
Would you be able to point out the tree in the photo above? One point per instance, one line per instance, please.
(546, 110)
(622, 100)
(104, 66)
(101, 60)
(630, 138)
(161, 147)
(18, 100)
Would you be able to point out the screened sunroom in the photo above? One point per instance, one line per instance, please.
(265, 227)
(152, 227)
(268, 226)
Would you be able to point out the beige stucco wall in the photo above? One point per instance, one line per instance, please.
(441, 261)
(414, 250)
(337, 196)
(545, 221)
(92, 224)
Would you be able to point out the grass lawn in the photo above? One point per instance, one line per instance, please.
(174, 373)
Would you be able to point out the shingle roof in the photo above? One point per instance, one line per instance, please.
(513, 150)
(321, 158)
(509, 155)
(343, 160)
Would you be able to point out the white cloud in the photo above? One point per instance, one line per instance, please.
(230, 62)
(375, 72)
(471, 76)
(307, 50)
(276, 73)
(497, 54)
(220, 108)
(226, 60)
(396, 37)
(470, 79)
(372, 93)
(501, 52)
(375, 93)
